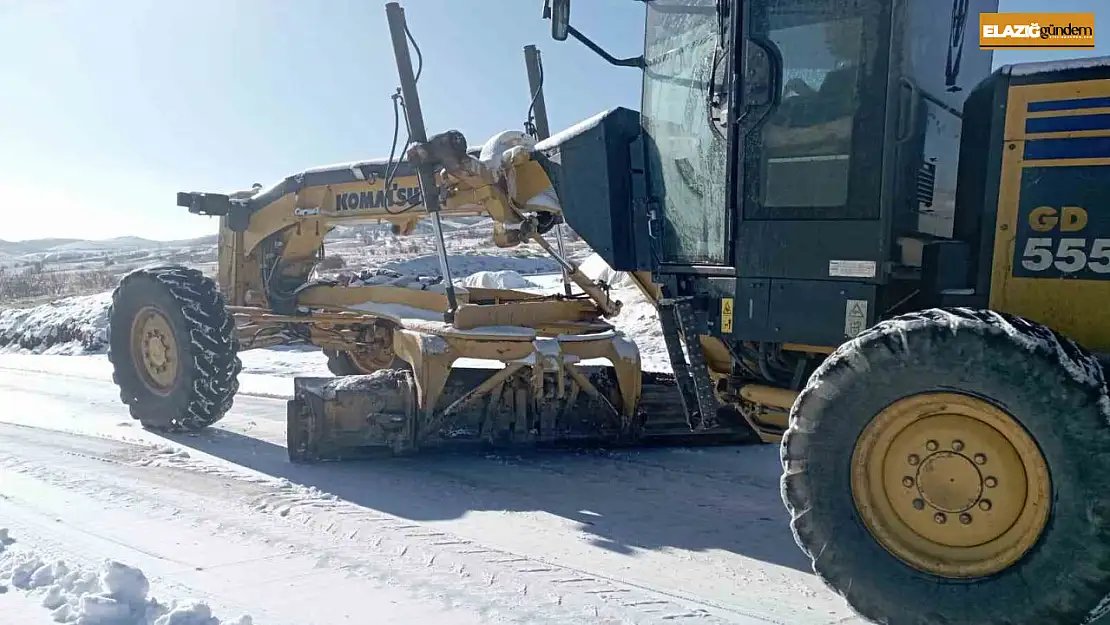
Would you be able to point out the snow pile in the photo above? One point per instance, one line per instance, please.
(638, 319)
(496, 149)
(504, 279)
(374, 382)
(116, 594)
(597, 269)
(388, 277)
(67, 326)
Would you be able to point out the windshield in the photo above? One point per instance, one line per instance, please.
(686, 149)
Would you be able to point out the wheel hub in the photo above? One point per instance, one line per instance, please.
(154, 350)
(949, 482)
(951, 485)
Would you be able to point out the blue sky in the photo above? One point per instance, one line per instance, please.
(111, 107)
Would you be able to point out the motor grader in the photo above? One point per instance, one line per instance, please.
(539, 369)
(895, 260)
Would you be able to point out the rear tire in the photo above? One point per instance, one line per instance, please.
(173, 348)
(1054, 390)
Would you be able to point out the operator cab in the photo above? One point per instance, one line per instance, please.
(796, 155)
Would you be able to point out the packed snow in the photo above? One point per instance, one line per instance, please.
(119, 525)
(580, 128)
(115, 594)
(547, 539)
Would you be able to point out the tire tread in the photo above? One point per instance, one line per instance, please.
(209, 350)
(997, 349)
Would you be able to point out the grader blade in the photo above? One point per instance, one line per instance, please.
(367, 415)
(337, 418)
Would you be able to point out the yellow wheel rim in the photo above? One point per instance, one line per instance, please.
(154, 350)
(951, 485)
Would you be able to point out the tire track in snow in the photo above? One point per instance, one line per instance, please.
(655, 530)
(501, 585)
(485, 484)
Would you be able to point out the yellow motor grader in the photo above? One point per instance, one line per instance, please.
(862, 242)
(551, 368)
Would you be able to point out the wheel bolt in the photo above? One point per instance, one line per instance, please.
(957, 445)
(980, 459)
(914, 460)
(991, 482)
(965, 518)
(940, 518)
(919, 504)
(932, 445)
(985, 505)
(907, 481)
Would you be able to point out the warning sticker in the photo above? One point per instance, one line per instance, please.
(855, 317)
(852, 268)
(726, 315)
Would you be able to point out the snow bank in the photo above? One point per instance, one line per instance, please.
(504, 279)
(79, 324)
(116, 594)
(68, 326)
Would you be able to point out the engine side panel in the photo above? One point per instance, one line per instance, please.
(1052, 249)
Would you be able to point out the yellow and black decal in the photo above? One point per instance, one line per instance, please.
(726, 315)
(1052, 244)
(378, 196)
(1060, 242)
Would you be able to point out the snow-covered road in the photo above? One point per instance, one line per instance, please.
(659, 536)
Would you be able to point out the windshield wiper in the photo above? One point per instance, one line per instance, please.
(716, 99)
(722, 9)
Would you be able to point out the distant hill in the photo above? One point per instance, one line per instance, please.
(68, 248)
(35, 246)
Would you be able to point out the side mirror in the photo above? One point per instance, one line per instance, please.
(558, 11)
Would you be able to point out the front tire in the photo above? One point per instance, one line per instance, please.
(899, 544)
(173, 348)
